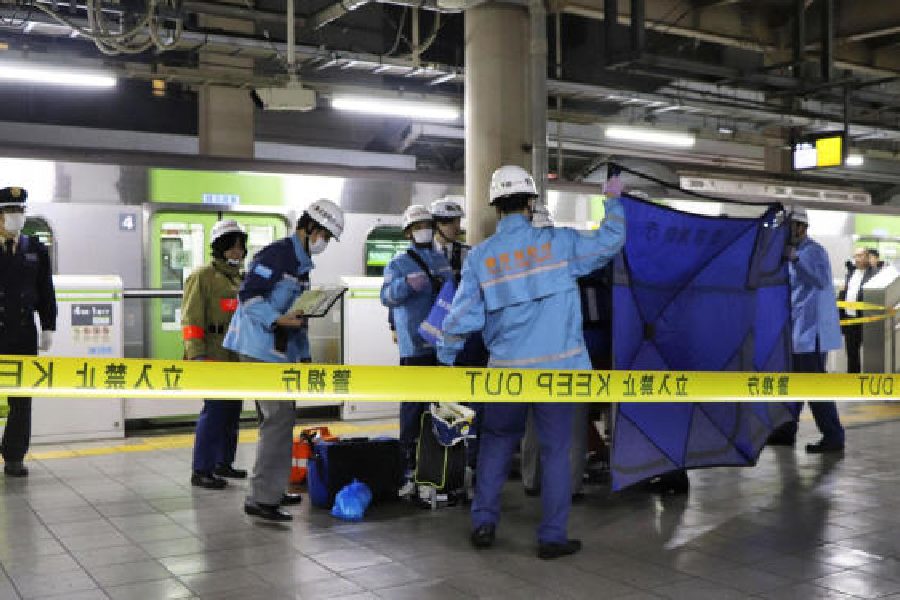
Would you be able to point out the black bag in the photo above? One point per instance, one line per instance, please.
(377, 462)
(438, 466)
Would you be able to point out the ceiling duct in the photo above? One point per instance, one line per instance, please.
(763, 191)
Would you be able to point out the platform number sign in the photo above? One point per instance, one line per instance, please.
(127, 221)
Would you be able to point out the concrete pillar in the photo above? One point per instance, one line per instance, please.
(226, 120)
(497, 106)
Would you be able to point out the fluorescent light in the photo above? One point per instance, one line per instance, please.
(55, 76)
(726, 130)
(649, 136)
(854, 160)
(396, 108)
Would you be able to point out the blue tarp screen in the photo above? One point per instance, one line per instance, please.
(697, 293)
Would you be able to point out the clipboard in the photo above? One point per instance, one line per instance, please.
(317, 303)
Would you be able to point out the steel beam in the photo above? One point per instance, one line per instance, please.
(827, 56)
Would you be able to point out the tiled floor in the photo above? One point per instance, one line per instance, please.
(128, 525)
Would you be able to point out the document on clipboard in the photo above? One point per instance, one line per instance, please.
(317, 303)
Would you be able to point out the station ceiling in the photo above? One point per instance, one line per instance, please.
(732, 71)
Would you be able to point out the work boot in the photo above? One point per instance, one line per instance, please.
(483, 536)
(15, 469)
(208, 481)
(230, 472)
(823, 447)
(267, 511)
(290, 498)
(551, 550)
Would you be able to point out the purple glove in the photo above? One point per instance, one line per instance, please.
(418, 281)
(613, 187)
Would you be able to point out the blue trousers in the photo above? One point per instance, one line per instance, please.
(411, 412)
(215, 441)
(824, 413)
(501, 429)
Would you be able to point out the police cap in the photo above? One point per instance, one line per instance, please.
(12, 196)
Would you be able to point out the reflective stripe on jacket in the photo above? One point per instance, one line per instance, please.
(277, 276)
(519, 288)
(210, 299)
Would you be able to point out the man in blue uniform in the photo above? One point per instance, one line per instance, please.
(263, 330)
(26, 287)
(519, 288)
(412, 281)
(815, 330)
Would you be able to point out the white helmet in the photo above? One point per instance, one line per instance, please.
(509, 180)
(329, 215)
(448, 207)
(225, 227)
(540, 216)
(415, 214)
(798, 215)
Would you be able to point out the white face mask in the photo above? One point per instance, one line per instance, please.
(423, 236)
(318, 245)
(14, 222)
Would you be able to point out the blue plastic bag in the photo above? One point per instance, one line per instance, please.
(351, 502)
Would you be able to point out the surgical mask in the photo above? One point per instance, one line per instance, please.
(14, 222)
(318, 245)
(423, 236)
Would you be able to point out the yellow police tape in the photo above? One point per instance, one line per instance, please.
(888, 312)
(136, 378)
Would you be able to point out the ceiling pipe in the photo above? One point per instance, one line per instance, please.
(799, 37)
(337, 10)
(537, 14)
(827, 27)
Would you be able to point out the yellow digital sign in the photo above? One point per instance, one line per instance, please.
(819, 151)
(829, 151)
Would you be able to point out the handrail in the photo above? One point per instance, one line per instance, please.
(151, 293)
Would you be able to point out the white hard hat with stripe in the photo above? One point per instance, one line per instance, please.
(329, 215)
(225, 227)
(448, 207)
(415, 214)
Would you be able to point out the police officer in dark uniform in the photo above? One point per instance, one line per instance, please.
(26, 287)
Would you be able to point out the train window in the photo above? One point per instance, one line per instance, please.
(39, 227)
(382, 244)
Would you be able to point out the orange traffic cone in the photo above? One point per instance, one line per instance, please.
(300, 456)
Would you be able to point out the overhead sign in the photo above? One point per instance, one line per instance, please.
(819, 151)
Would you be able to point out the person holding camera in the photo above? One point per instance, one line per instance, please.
(412, 281)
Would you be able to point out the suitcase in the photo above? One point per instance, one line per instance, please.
(377, 462)
(440, 470)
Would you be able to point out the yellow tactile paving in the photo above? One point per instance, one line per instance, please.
(168, 442)
(852, 414)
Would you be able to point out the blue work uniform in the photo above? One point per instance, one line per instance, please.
(275, 279)
(409, 308)
(815, 329)
(519, 288)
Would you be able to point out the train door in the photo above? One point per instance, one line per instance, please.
(180, 243)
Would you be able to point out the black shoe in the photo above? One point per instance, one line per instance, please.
(267, 511)
(290, 498)
(532, 492)
(555, 550)
(230, 472)
(824, 447)
(208, 481)
(15, 469)
(483, 537)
